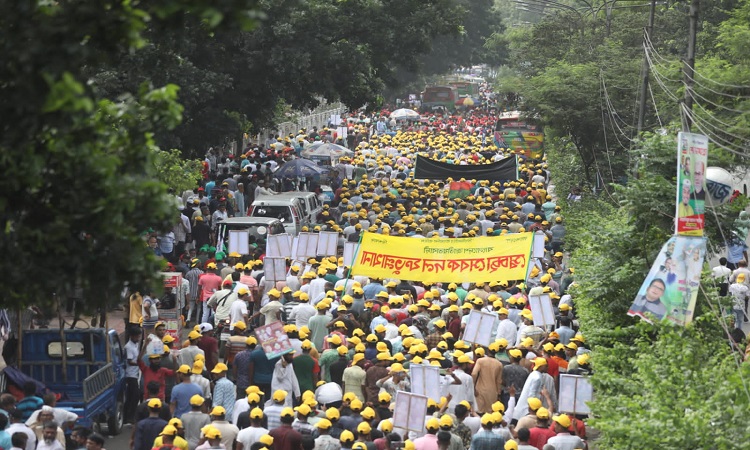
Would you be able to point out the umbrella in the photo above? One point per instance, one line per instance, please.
(403, 113)
(326, 149)
(466, 101)
(299, 168)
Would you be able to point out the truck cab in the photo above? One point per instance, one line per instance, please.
(90, 380)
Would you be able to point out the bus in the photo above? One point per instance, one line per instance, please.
(465, 88)
(520, 133)
(435, 97)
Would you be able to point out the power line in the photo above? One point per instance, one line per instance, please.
(689, 113)
(656, 110)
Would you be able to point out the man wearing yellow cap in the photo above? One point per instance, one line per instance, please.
(538, 385)
(183, 392)
(284, 378)
(564, 440)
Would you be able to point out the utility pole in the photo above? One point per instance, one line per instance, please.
(690, 64)
(646, 69)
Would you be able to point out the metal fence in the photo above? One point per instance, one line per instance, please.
(318, 118)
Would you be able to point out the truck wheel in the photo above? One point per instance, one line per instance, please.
(114, 422)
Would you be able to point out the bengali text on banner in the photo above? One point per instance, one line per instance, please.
(480, 259)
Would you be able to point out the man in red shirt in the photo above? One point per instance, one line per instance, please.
(208, 283)
(209, 344)
(154, 372)
(454, 324)
(285, 437)
(539, 434)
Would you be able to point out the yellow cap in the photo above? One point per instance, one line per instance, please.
(218, 411)
(219, 368)
(154, 403)
(197, 400)
(279, 395)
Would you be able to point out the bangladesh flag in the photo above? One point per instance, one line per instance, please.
(459, 189)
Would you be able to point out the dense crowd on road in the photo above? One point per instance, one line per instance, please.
(355, 337)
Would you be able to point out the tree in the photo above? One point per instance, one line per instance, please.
(176, 172)
(79, 182)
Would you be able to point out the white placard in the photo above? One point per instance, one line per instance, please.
(350, 253)
(538, 246)
(425, 380)
(575, 392)
(307, 246)
(239, 241)
(343, 132)
(295, 244)
(279, 245)
(541, 309)
(335, 119)
(327, 243)
(479, 327)
(274, 269)
(409, 411)
(155, 347)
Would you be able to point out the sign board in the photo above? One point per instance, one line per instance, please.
(327, 243)
(307, 246)
(425, 380)
(538, 251)
(279, 245)
(479, 327)
(542, 310)
(274, 268)
(575, 392)
(171, 317)
(409, 411)
(273, 340)
(239, 241)
(350, 253)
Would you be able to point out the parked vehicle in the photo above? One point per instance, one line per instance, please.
(257, 227)
(288, 210)
(90, 379)
(309, 204)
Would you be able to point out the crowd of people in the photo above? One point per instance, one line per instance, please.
(355, 338)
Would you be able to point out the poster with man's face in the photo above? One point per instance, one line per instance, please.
(692, 154)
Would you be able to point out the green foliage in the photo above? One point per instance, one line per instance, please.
(671, 388)
(177, 173)
(347, 51)
(79, 183)
(639, 367)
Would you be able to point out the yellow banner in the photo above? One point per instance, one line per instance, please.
(480, 259)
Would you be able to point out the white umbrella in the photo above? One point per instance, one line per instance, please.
(403, 113)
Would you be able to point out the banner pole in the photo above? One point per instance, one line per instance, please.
(354, 259)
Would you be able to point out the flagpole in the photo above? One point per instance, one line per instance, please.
(354, 259)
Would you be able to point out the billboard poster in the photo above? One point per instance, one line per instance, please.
(692, 154)
(671, 286)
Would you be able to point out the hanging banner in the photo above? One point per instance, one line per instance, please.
(479, 259)
(671, 286)
(502, 170)
(692, 154)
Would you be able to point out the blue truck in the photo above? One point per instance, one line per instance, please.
(90, 379)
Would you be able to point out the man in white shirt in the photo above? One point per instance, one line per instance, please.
(564, 440)
(49, 438)
(465, 390)
(17, 426)
(252, 434)
(302, 313)
(238, 311)
(505, 328)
